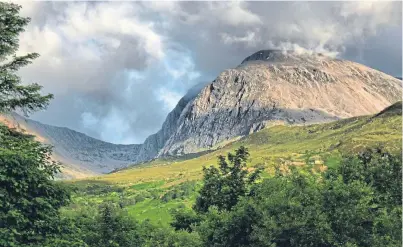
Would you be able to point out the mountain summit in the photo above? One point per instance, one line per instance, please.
(272, 87)
(282, 56)
(269, 87)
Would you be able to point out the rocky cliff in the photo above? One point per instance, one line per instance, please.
(268, 87)
(271, 87)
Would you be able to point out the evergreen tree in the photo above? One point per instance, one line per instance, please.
(29, 198)
(14, 95)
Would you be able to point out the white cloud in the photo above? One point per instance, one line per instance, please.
(234, 13)
(250, 39)
(117, 68)
(169, 98)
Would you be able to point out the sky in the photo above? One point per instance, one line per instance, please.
(116, 69)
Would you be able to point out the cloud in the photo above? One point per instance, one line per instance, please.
(169, 98)
(118, 68)
(233, 13)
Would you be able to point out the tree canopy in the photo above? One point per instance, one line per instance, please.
(356, 204)
(225, 185)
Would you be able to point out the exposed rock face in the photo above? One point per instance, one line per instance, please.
(269, 87)
(84, 156)
(277, 86)
(154, 143)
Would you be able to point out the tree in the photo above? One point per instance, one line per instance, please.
(14, 95)
(29, 198)
(352, 205)
(115, 228)
(184, 219)
(283, 211)
(377, 168)
(224, 186)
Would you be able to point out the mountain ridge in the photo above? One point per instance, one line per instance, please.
(80, 154)
(269, 87)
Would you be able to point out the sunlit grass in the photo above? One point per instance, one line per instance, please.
(276, 144)
(320, 144)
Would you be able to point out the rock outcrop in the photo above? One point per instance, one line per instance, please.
(272, 86)
(268, 87)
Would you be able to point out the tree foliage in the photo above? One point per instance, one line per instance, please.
(355, 204)
(29, 198)
(223, 186)
(14, 95)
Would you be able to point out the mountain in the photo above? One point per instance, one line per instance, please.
(323, 144)
(274, 87)
(81, 155)
(270, 87)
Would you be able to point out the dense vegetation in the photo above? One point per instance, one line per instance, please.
(355, 201)
(356, 204)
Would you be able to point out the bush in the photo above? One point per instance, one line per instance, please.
(185, 219)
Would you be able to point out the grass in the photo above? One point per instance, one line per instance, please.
(144, 188)
(274, 145)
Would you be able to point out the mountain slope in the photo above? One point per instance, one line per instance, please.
(281, 144)
(154, 189)
(272, 86)
(268, 88)
(80, 154)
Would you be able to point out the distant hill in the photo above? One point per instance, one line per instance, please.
(81, 155)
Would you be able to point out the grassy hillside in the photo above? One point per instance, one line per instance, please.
(152, 189)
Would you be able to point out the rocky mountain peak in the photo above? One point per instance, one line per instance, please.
(269, 87)
(284, 57)
(279, 87)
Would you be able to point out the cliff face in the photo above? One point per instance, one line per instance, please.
(273, 86)
(84, 156)
(268, 87)
(154, 143)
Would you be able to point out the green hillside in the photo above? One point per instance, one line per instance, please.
(151, 190)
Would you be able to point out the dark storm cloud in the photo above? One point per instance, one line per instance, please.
(117, 68)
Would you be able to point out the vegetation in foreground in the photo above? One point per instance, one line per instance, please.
(356, 202)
